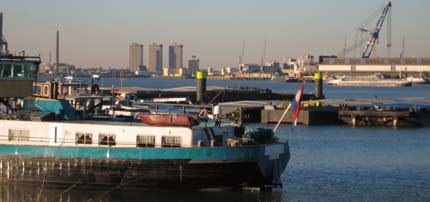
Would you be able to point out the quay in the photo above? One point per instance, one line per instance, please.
(396, 112)
(224, 94)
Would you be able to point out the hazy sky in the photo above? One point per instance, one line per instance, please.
(98, 32)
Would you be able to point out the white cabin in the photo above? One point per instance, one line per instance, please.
(116, 134)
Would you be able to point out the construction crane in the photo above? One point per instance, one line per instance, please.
(374, 34)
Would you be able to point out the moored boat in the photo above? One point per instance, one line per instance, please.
(120, 154)
(185, 120)
(369, 82)
(418, 80)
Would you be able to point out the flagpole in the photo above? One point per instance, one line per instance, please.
(282, 117)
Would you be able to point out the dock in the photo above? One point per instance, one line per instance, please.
(222, 94)
(399, 112)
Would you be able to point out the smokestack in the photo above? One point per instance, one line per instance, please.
(1, 32)
(58, 51)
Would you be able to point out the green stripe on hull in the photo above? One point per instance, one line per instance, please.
(245, 152)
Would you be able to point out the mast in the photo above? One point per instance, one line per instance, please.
(58, 52)
(1, 33)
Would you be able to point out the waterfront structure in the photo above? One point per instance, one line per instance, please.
(210, 71)
(193, 64)
(135, 57)
(306, 60)
(389, 66)
(155, 57)
(175, 56)
(250, 68)
(230, 70)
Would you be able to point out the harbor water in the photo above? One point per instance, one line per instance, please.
(328, 163)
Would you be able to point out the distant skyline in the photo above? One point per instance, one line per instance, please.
(99, 32)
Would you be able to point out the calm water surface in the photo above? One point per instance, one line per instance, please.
(328, 163)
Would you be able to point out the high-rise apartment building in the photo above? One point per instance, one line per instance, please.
(155, 57)
(135, 56)
(193, 64)
(175, 56)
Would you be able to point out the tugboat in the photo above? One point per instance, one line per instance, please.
(42, 141)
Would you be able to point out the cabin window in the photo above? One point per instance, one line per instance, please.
(83, 138)
(30, 70)
(171, 141)
(145, 141)
(18, 70)
(19, 134)
(6, 70)
(107, 139)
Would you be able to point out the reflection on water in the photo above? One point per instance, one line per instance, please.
(62, 194)
(335, 163)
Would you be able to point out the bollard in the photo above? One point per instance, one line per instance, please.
(318, 86)
(201, 87)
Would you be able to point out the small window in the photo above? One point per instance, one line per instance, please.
(38, 90)
(145, 141)
(83, 138)
(19, 134)
(171, 141)
(45, 90)
(107, 139)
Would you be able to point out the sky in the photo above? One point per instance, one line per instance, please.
(98, 32)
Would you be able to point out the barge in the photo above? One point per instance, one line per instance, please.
(369, 82)
(106, 154)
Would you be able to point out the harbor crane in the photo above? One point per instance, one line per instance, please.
(374, 34)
